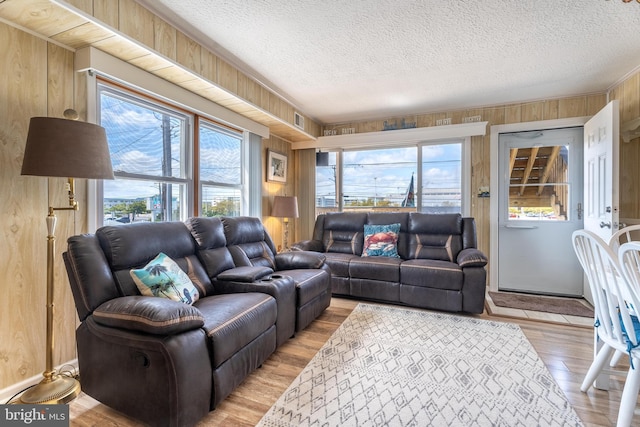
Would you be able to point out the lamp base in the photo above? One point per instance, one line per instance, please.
(53, 389)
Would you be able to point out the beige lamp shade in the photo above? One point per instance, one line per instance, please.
(66, 148)
(285, 207)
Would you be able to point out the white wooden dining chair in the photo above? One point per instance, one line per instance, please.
(626, 234)
(629, 233)
(614, 324)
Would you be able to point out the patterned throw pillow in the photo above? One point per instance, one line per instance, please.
(162, 277)
(381, 240)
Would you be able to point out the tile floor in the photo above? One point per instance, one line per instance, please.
(494, 310)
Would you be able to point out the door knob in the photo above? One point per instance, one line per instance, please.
(605, 224)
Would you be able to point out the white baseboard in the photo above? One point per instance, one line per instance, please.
(8, 392)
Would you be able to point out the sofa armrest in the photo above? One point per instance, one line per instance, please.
(152, 315)
(307, 245)
(471, 257)
(299, 259)
(246, 274)
(282, 288)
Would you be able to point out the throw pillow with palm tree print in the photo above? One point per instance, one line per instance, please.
(162, 277)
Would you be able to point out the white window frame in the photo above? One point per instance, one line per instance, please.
(244, 168)
(465, 173)
(186, 147)
(90, 62)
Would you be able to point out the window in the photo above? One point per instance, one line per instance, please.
(441, 178)
(539, 184)
(220, 170)
(152, 146)
(378, 179)
(326, 181)
(391, 180)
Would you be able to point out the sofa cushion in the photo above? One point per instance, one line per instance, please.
(162, 277)
(309, 283)
(431, 273)
(381, 240)
(339, 263)
(376, 268)
(231, 321)
(157, 316)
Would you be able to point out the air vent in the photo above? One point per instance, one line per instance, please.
(298, 120)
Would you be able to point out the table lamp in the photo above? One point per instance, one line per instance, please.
(285, 207)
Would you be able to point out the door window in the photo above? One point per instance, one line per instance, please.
(539, 183)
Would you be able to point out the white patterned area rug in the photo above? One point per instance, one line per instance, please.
(388, 366)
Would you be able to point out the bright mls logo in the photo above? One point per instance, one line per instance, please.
(34, 415)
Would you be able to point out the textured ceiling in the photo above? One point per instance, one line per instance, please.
(346, 60)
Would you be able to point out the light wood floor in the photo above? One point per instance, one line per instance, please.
(565, 349)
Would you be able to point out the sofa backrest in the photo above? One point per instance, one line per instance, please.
(133, 245)
(248, 242)
(435, 236)
(422, 235)
(99, 265)
(211, 244)
(343, 232)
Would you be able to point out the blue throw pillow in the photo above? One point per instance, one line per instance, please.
(162, 277)
(381, 240)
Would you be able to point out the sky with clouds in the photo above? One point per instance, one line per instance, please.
(135, 135)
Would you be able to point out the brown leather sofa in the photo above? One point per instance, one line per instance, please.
(169, 363)
(247, 246)
(438, 264)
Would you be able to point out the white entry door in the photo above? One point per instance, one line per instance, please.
(540, 206)
(601, 158)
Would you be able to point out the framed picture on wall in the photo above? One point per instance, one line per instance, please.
(276, 166)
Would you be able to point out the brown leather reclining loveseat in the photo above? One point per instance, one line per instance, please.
(434, 264)
(167, 362)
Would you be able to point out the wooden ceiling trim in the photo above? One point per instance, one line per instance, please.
(43, 17)
(82, 35)
(71, 24)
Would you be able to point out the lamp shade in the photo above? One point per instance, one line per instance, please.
(66, 148)
(285, 207)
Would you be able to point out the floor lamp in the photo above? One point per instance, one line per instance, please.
(71, 149)
(285, 207)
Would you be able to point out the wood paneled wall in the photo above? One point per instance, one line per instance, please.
(151, 31)
(37, 79)
(628, 94)
(270, 189)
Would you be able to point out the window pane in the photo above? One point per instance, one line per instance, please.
(441, 178)
(326, 200)
(220, 155)
(378, 179)
(220, 201)
(144, 139)
(128, 200)
(539, 183)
